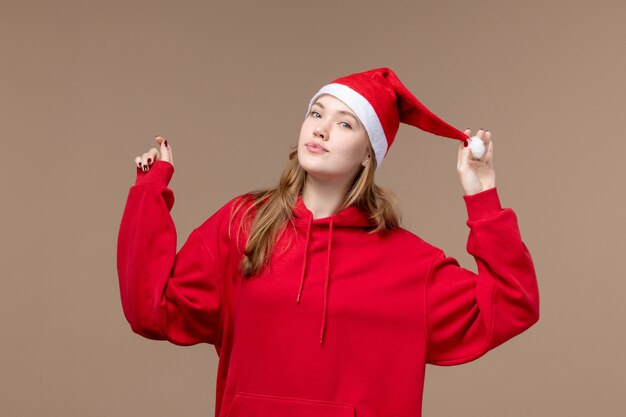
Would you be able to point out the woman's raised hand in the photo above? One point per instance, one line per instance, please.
(476, 174)
(164, 153)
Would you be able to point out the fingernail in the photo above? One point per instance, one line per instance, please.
(465, 143)
(165, 143)
(149, 160)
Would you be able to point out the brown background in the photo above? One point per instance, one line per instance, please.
(85, 86)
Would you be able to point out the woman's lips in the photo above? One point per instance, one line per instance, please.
(315, 148)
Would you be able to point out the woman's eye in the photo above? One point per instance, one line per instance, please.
(316, 114)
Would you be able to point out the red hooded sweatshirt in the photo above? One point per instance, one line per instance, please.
(342, 322)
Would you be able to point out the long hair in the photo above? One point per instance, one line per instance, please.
(274, 209)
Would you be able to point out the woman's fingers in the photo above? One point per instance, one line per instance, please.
(460, 161)
(165, 149)
(145, 160)
(148, 158)
(489, 152)
(153, 155)
(463, 154)
(487, 138)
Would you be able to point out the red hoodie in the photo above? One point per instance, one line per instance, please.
(342, 322)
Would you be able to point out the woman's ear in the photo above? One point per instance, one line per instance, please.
(364, 163)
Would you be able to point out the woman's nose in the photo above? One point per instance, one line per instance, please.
(320, 131)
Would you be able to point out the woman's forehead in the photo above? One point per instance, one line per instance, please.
(327, 98)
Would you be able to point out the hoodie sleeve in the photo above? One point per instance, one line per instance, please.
(469, 313)
(165, 295)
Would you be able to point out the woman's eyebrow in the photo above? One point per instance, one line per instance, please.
(347, 113)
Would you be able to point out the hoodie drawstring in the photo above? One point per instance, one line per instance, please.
(327, 283)
(330, 240)
(306, 252)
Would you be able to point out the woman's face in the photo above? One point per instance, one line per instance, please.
(332, 125)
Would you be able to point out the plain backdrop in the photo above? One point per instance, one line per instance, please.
(86, 85)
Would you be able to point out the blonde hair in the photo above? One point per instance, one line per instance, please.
(274, 209)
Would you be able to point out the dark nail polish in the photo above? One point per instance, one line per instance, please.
(165, 143)
(465, 143)
(149, 160)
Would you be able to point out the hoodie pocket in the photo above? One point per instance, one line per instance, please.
(259, 405)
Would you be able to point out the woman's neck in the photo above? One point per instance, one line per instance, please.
(322, 198)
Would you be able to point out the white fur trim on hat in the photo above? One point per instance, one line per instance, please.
(364, 111)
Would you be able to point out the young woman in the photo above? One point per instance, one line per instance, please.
(317, 301)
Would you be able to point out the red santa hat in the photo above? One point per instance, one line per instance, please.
(381, 102)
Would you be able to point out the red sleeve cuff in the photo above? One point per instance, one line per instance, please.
(160, 173)
(483, 205)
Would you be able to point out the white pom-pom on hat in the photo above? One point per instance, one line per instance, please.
(476, 146)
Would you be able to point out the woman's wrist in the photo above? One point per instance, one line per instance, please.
(483, 204)
(485, 188)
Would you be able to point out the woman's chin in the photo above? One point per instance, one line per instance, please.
(311, 164)
(321, 168)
